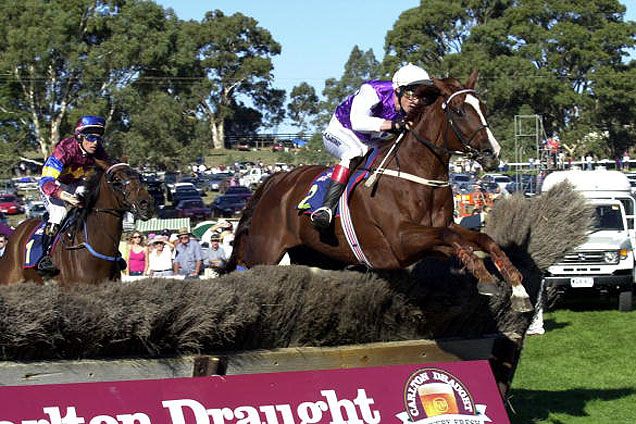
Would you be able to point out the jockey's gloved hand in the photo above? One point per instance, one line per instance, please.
(70, 198)
(397, 126)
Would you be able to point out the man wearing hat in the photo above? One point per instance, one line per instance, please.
(189, 256)
(216, 255)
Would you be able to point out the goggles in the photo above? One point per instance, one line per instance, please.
(410, 95)
(93, 138)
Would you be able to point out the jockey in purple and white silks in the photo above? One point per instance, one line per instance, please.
(371, 116)
(72, 160)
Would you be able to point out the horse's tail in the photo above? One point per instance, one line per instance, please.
(242, 230)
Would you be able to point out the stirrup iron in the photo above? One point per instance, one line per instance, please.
(317, 218)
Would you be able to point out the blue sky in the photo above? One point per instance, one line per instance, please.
(316, 37)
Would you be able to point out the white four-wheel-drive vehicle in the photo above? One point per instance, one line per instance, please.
(605, 262)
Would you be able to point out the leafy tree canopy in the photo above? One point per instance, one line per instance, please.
(139, 66)
(563, 59)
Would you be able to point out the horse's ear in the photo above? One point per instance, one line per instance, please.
(472, 80)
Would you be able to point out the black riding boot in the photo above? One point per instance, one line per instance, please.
(45, 266)
(323, 216)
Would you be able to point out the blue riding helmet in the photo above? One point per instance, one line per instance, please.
(89, 125)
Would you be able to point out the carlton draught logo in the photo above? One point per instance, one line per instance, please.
(435, 396)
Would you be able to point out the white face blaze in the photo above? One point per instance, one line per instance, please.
(474, 102)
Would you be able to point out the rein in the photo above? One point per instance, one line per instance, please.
(399, 174)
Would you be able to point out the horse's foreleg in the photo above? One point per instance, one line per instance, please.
(520, 299)
(416, 239)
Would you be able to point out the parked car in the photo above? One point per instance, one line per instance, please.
(243, 147)
(228, 205)
(525, 184)
(240, 191)
(7, 186)
(193, 209)
(278, 147)
(35, 209)
(461, 178)
(216, 181)
(500, 179)
(198, 184)
(10, 204)
(488, 187)
(26, 183)
(185, 193)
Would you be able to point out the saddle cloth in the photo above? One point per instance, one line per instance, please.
(33, 249)
(318, 187)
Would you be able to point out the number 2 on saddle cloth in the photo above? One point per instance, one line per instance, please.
(319, 185)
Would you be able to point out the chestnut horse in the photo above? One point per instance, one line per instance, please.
(90, 253)
(405, 214)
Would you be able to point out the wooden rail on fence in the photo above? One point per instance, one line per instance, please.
(253, 362)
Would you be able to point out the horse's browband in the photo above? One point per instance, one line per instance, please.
(117, 165)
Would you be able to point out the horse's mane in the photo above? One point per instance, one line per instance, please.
(91, 194)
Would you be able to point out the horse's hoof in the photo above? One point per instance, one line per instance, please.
(521, 304)
(487, 288)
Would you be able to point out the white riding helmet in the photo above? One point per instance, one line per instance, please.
(409, 75)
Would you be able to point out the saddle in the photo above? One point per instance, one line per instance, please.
(361, 169)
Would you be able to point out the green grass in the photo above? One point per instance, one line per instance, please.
(582, 370)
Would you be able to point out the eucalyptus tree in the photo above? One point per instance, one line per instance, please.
(303, 106)
(235, 54)
(61, 59)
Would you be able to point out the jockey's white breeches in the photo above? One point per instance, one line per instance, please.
(342, 142)
(56, 207)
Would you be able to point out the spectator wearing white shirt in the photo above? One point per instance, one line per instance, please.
(160, 258)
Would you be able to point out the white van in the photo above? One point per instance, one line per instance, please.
(605, 262)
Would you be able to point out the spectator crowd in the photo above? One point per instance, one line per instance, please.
(179, 253)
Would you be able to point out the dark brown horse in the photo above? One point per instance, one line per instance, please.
(91, 254)
(403, 216)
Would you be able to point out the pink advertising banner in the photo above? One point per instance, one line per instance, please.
(448, 393)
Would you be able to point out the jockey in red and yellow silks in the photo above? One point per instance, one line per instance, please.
(72, 160)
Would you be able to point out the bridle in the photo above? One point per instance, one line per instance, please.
(469, 151)
(120, 187)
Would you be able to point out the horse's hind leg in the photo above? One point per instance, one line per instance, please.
(486, 282)
(519, 299)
